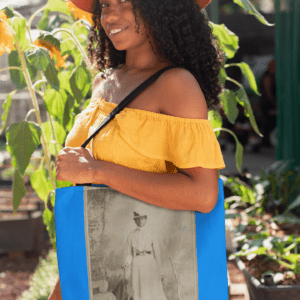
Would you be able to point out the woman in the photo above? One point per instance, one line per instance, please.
(144, 258)
(161, 148)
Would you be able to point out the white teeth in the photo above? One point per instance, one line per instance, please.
(115, 31)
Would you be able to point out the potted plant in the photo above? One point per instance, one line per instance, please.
(265, 225)
(278, 255)
(267, 246)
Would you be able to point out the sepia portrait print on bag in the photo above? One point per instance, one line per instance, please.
(138, 251)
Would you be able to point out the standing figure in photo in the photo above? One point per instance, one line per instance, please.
(143, 254)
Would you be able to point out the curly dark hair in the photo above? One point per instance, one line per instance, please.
(182, 33)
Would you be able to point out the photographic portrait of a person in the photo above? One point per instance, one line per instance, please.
(143, 254)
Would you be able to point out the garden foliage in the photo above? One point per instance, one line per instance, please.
(56, 67)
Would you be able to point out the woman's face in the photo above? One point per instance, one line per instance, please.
(141, 221)
(118, 14)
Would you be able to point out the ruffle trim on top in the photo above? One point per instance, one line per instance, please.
(187, 143)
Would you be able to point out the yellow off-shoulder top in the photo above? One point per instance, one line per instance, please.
(145, 140)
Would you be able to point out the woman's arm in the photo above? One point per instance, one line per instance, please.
(56, 292)
(195, 189)
(190, 189)
(129, 252)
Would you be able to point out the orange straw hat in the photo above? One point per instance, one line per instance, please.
(86, 5)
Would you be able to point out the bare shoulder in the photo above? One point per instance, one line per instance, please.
(179, 94)
(100, 77)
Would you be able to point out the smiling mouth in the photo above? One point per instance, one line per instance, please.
(121, 31)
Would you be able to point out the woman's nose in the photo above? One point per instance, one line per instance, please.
(112, 13)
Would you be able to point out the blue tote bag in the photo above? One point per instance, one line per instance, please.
(113, 246)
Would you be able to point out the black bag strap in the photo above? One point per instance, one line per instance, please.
(127, 100)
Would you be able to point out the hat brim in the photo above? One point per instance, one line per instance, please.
(139, 217)
(86, 5)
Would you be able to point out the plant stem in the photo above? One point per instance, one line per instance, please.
(36, 107)
(234, 81)
(280, 262)
(53, 133)
(16, 68)
(290, 247)
(36, 13)
(29, 113)
(84, 55)
(39, 81)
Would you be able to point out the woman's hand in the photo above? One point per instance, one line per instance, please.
(75, 165)
(125, 266)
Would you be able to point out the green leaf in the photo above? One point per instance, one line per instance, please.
(58, 6)
(17, 77)
(241, 227)
(43, 22)
(51, 75)
(68, 46)
(67, 111)
(81, 33)
(293, 258)
(19, 26)
(64, 78)
(60, 134)
(55, 103)
(47, 215)
(287, 218)
(49, 221)
(78, 83)
(39, 58)
(248, 6)
(215, 120)
(229, 103)
(229, 42)
(238, 151)
(59, 130)
(22, 139)
(50, 39)
(8, 12)
(40, 183)
(257, 250)
(18, 189)
(71, 121)
(86, 103)
(256, 243)
(6, 106)
(247, 72)
(52, 199)
(294, 204)
(222, 76)
(243, 100)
